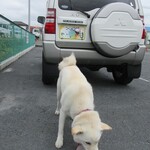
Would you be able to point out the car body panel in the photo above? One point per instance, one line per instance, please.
(55, 47)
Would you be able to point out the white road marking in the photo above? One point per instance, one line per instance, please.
(147, 53)
(144, 80)
(8, 70)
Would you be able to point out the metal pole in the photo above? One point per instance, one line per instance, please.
(29, 15)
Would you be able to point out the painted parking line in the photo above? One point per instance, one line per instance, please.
(8, 70)
(147, 53)
(144, 80)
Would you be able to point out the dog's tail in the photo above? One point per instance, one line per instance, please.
(67, 61)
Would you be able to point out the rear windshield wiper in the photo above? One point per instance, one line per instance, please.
(86, 14)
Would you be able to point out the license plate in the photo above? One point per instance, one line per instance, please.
(72, 32)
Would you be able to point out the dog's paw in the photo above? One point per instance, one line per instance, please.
(57, 112)
(59, 143)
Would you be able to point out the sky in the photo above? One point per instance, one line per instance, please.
(17, 10)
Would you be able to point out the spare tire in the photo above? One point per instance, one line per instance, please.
(116, 30)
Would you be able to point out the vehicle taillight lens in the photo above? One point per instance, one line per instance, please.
(144, 31)
(50, 23)
(144, 34)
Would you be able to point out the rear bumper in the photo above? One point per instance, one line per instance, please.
(54, 54)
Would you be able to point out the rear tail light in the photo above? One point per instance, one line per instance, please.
(144, 31)
(144, 34)
(50, 23)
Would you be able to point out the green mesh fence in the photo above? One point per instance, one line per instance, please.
(13, 39)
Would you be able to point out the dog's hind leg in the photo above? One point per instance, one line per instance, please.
(62, 117)
(58, 97)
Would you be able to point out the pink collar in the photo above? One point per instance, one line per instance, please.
(84, 111)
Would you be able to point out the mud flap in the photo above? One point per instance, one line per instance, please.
(134, 71)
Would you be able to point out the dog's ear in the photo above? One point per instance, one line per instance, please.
(76, 130)
(104, 126)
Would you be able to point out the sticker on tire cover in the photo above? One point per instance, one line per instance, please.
(71, 32)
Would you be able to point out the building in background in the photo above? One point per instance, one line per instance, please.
(21, 24)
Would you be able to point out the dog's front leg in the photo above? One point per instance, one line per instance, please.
(59, 141)
(58, 97)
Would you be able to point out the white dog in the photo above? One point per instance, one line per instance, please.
(75, 99)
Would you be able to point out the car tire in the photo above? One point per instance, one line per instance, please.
(120, 75)
(49, 72)
(94, 68)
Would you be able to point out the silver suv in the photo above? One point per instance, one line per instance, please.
(101, 33)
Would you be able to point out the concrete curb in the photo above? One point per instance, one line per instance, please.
(10, 60)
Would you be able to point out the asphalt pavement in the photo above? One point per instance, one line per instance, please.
(28, 122)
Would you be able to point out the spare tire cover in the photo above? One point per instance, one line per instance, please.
(116, 29)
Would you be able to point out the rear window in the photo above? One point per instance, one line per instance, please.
(87, 5)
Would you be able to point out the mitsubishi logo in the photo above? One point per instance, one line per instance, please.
(120, 22)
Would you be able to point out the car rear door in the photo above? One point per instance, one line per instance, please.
(73, 21)
(72, 25)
